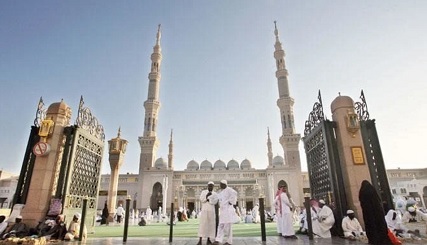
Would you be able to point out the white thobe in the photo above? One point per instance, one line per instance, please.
(286, 216)
(227, 214)
(351, 225)
(255, 214)
(278, 215)
(324, 222)
(394, 224)
(207, 214)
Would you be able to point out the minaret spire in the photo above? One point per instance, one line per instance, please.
(149, 142)
(289, 139)
(159, 35)
(170, 155)
(270, 149)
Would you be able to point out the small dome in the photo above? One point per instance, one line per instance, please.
(192, 165)
(160, 163)
(206, 165)
(246, 164)
(278, 161)
(57, 107)
(219, 164)
(233, 164)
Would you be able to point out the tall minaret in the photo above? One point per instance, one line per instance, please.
(170, 155)
(149, 142)
(289, 139)
(270, 149)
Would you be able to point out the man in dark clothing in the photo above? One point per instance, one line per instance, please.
(18, 229)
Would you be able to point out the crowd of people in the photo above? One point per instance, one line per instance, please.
(406, 222)
(50, 229)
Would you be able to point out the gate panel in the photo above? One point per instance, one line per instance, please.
(324, 169)
(84, 174)
(374, 155)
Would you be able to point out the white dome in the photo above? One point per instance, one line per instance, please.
(219, 164)
(233, 164)
(160, 163)
(278, 161)
(192, 165)
(206, 165)
(246, 164)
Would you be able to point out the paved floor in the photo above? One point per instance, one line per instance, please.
(271, 240)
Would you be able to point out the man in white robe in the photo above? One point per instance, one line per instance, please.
(227, 214)
(278, 211)
(148, 214)
(209, 199)
(323, 221)
(286, 214)
(255, 212)
(351, 226)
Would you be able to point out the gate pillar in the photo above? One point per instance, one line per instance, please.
(351, 151)
(116, 151)
(46, 167)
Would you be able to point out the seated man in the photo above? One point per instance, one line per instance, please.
(18, 229)
(3, 223)
(73, 231)
(415, 221)
(58, 230)
(394, 222)
(323, 221)
(351, 226)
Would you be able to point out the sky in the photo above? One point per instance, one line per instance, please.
(218, 89)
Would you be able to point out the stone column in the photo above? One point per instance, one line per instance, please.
(116, 151)
(351, 150)
(46, 166)
(165, 192)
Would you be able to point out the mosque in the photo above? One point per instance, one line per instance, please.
(159, 184)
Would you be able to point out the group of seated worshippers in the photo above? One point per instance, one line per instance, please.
(413, 222)
(17, 229)
(323, 220)
(50, 229)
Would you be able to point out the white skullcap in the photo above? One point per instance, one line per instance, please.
(350, 211)
(78, 215)
(18, 217)
(322, 201)
(411, 209)
(224, 181)
(211, 183)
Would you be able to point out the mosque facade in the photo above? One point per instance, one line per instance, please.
(158, 183)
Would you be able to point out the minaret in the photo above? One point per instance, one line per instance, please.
(270, 149)
(149, 142)
(289, 139)
(170, 155)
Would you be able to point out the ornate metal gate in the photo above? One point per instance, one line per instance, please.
(81, 165)
(373, 153)
(24, 180)
(323, 162)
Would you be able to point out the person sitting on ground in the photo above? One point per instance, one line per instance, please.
(394, 222)
(3, 223)
(73, 231)
(18, 229)
(323, 222)
(351, 226)
(412, 219)
(58, 230)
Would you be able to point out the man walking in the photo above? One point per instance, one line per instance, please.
(227, 216)
(119, 213)
(209, 199)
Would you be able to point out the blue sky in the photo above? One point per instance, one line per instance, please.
(218, 89)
